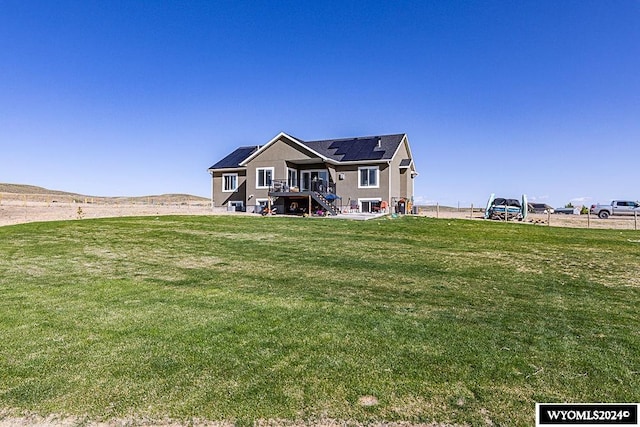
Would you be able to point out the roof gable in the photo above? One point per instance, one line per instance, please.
(276, 139)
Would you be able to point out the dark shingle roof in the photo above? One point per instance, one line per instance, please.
(355, 149)
(405, 163)
(234, 159)
(368, 148)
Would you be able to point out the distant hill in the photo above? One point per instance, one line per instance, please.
(32, 189)
(23, 189)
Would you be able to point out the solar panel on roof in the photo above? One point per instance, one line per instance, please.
(233, 159)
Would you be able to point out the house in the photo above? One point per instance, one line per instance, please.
(364, 174)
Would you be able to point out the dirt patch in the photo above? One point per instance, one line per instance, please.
(368, 401)
(328, 422)
(60, 421)
(18, 208)
(15, 212)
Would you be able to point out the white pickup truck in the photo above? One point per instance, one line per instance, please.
(617, 207)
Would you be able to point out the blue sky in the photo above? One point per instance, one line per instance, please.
(140, 97)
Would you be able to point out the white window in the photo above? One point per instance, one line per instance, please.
(229, 182)
(264, 177)
(292, 177)
(368, 177)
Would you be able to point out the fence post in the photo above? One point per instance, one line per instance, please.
(635, 220)
(589, 219)
(471, 211)
(437, 210)
(548, 218)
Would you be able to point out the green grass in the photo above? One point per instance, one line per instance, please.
(241, 319)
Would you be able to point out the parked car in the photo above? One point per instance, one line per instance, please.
(617, 207)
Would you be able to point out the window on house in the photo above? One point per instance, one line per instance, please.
(368, 177)
(229, 182)
(264, 177)
(292, 178)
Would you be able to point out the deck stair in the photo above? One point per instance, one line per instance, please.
(324, 202)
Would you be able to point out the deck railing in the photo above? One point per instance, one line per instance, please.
(318, 186)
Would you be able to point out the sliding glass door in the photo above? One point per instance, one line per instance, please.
(315, 180)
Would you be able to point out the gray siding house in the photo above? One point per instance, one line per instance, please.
(364, 174)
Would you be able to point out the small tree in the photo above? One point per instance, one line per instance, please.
(568, 205)
(584, 210)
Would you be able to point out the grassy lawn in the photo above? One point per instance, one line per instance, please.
(241, 319)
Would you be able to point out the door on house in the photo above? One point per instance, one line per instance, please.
(315, 180)
(370, 205)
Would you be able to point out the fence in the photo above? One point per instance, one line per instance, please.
(546, 219)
